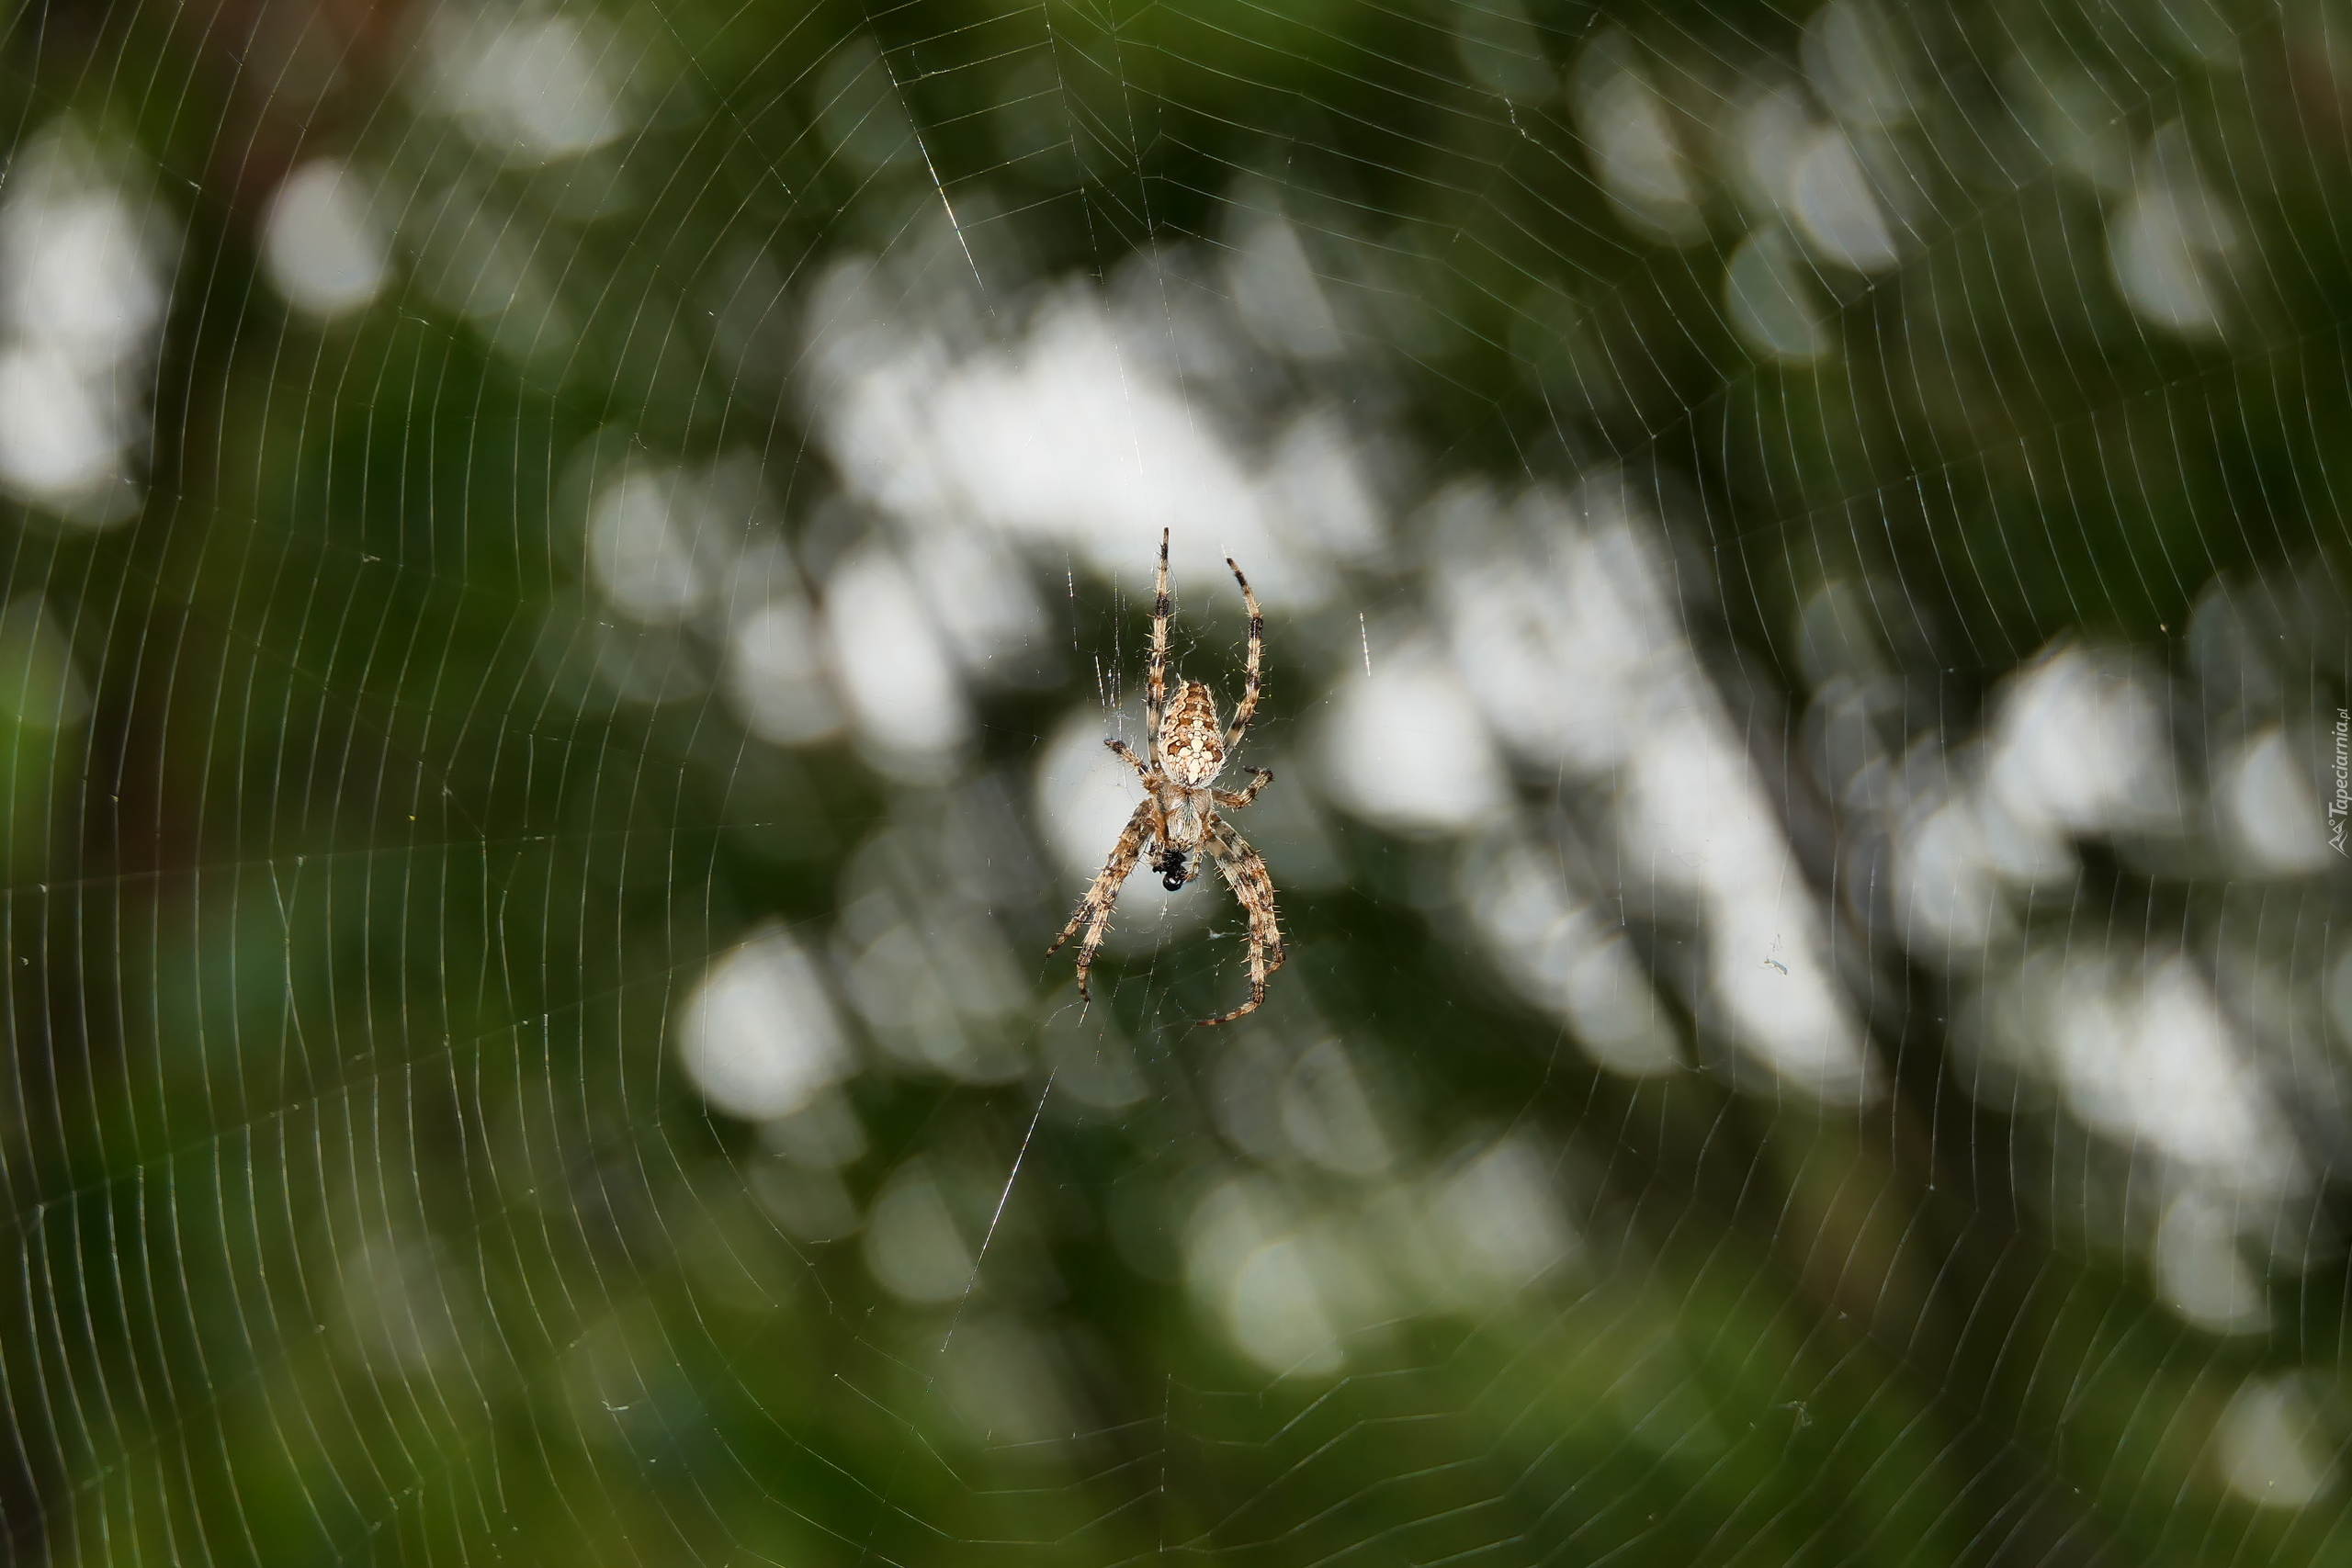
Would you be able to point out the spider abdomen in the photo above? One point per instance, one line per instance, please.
(1192, 742)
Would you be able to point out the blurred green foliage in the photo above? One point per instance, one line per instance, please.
(359, 1210)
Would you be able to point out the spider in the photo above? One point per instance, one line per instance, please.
(1178, 814)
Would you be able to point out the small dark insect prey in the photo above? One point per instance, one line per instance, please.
(1178, 811)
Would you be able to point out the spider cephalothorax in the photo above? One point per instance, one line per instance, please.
(1178, 815)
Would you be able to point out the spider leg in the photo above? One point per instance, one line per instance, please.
(1155, 692)
(1246, 874)
(1234, 800)
(1094, 909)
(1127, 754)
(1248, 708)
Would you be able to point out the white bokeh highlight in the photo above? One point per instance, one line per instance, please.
(1834, 207)
(533, 86)
(1260, 1277)
(2170, 241)
(896, 668)
(2197, 1270)
(2270, 813)
(1563, 955)
(758, 1037)
(1069, 437)
(1635, 152)
(322, 245)
(2270, 1444)
(657, 543)
(1858, 64)
(1300, 1284)
(1276, 292)
(1328, 1115)
(1564, 635)
(2148, 1057)
(775, 676)
(1404, 747)
(1498, 1217)
(1773, 302)
(82, 289)
(2078, 746)
(913, 1245)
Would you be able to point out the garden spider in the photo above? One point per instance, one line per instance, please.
(1179, 812)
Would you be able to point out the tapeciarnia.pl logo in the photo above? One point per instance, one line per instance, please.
(2339, 810)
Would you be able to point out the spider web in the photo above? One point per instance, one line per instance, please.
(570, 569)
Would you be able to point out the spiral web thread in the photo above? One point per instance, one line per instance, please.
(570, 570)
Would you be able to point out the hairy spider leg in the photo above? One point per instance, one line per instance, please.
(1248, 708)
(1234, 800)
(1246, 874)
(1127, 754)
(1094, 909)
(1155, 692)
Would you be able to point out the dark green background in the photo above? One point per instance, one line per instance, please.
(342, 917)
